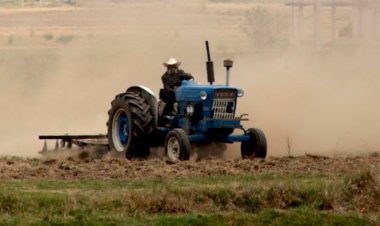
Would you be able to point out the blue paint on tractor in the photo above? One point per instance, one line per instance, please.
(205, 110)
(220, 123)
(201, 138)
(123, 125)
(189, 93)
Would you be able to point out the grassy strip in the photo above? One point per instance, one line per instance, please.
(157, 184)
(265, 217)
(268, 217)
(167, 200)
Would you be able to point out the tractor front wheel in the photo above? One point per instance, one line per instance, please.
(256, 146)
(177, 145)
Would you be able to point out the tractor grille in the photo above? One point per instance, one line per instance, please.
(223, 106)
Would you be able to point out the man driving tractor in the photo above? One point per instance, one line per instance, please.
(171, 80)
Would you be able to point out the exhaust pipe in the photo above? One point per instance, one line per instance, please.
(228, 64)
(209, 66)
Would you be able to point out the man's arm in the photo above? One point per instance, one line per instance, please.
(186, 76)
(189, 76)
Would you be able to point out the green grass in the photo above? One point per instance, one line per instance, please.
(265, 217)
(267, 199)
(221, 180)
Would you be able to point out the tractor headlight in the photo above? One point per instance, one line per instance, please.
(240, 93)
(203, 95)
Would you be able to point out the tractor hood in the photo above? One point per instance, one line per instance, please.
(207, 101)
(191, 91)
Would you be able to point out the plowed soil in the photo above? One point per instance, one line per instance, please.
(83, 166)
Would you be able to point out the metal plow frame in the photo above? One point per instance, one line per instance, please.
(67, 141)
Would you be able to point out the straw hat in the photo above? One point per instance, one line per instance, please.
(172, 62)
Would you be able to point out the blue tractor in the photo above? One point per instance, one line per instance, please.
(204, 114)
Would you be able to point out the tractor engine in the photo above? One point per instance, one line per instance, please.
(205, 108)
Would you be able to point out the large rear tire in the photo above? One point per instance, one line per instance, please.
(130, 122)
(256, 147)
(177, 145)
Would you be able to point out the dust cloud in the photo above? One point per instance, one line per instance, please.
(309, 100)
(324, 102)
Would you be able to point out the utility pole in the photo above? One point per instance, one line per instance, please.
(295, 22)
(317, 20)
(203, 5)
(333, 21)
(300, 22)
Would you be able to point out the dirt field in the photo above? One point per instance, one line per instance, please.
(83, 166)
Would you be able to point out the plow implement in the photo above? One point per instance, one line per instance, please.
(67, 141)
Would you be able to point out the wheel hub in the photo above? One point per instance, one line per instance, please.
(120, 130)
(173, 148)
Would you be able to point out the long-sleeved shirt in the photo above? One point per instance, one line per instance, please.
(173, 79)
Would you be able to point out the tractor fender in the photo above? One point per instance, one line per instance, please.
(149, 96)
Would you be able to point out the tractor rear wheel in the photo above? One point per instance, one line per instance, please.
(130, 122)
(256, 147)
(177, 145)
